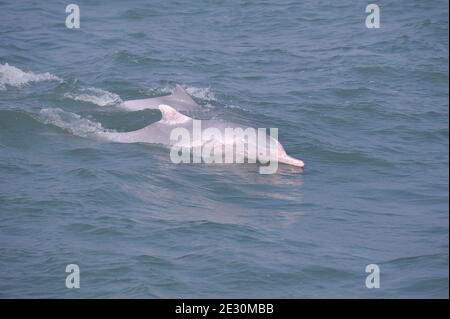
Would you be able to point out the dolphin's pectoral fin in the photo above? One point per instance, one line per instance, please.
(181, 94)
(172, 116)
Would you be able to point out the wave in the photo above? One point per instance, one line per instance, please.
(71, 122)
(96, 96)
(12, 76)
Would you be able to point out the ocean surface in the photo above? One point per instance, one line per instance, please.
(365, 109)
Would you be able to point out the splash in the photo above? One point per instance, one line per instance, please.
(204, 94)
(96, 96)
(12, 76)
(71, 122)
(158, 91)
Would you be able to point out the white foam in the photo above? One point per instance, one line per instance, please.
(12, 76)
(96, 96)
(71, 122)
(156, 91)
(232, 106)
(201, 93)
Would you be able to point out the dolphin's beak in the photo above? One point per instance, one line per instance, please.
(286, 159)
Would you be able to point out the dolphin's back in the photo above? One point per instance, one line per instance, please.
(179, 100)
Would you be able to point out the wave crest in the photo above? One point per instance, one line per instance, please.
(12, 76)
(96, 96)
(71, 122)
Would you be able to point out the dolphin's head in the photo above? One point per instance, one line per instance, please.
(286, 159)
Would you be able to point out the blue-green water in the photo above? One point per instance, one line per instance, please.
(366, 109)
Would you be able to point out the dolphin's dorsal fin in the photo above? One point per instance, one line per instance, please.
(182, 95)
(172, 116)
